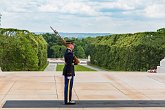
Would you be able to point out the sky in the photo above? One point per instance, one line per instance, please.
(98, 16)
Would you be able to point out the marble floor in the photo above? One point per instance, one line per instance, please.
(88, 86)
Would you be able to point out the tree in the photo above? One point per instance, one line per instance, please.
(129, 52)
(80, 52)
(22, 50)
(58, 51)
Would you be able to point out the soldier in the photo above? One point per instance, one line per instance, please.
(68, 72)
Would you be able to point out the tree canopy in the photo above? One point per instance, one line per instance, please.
(21, 50)
(129, 52)
(56, 49)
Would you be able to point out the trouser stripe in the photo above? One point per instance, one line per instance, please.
(68, 89)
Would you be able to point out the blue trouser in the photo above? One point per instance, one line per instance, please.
(68, 89)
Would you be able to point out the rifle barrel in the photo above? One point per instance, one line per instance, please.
(58, 35)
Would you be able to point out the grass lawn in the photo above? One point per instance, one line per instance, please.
(76, 67)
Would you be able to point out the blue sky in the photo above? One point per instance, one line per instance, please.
(112, 16)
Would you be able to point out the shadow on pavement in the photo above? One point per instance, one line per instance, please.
(83, 103)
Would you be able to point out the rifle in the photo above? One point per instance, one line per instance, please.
(58, 35)
(76, 60)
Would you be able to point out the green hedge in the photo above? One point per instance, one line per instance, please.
(21, 50)
(129, 52)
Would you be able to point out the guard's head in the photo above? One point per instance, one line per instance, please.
(70, 45)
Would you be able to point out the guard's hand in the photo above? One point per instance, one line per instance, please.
(69, 74)
(69, 77)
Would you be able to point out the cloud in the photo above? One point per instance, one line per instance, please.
(111, 8)
(18, 6)
(84, 15)
(121, 4)
(142, 9)
(155, 11)
(68, 7)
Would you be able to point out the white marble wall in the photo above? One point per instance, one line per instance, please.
(161, 68)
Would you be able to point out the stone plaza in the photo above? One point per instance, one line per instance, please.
(92, 91)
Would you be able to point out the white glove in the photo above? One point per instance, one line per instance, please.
(69, 77)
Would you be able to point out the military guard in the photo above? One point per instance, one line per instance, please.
(68, 72)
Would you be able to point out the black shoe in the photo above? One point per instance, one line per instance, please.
(70, 103)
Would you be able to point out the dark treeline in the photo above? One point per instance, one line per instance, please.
(129, 52)
(56, 49)
(21, 50)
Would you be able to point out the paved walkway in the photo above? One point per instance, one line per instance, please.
(51, 67)
(92, 90)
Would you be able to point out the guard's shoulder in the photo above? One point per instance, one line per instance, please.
(68, 51)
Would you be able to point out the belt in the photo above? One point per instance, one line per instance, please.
(66, 63)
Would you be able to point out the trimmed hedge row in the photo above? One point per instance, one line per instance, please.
(129, 52)
(21, 50)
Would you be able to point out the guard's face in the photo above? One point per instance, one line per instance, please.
(71, 46)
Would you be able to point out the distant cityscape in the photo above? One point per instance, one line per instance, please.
(79, 35)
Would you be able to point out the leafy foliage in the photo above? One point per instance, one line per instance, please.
(21, 50)
(129, 52)
(56, 49)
